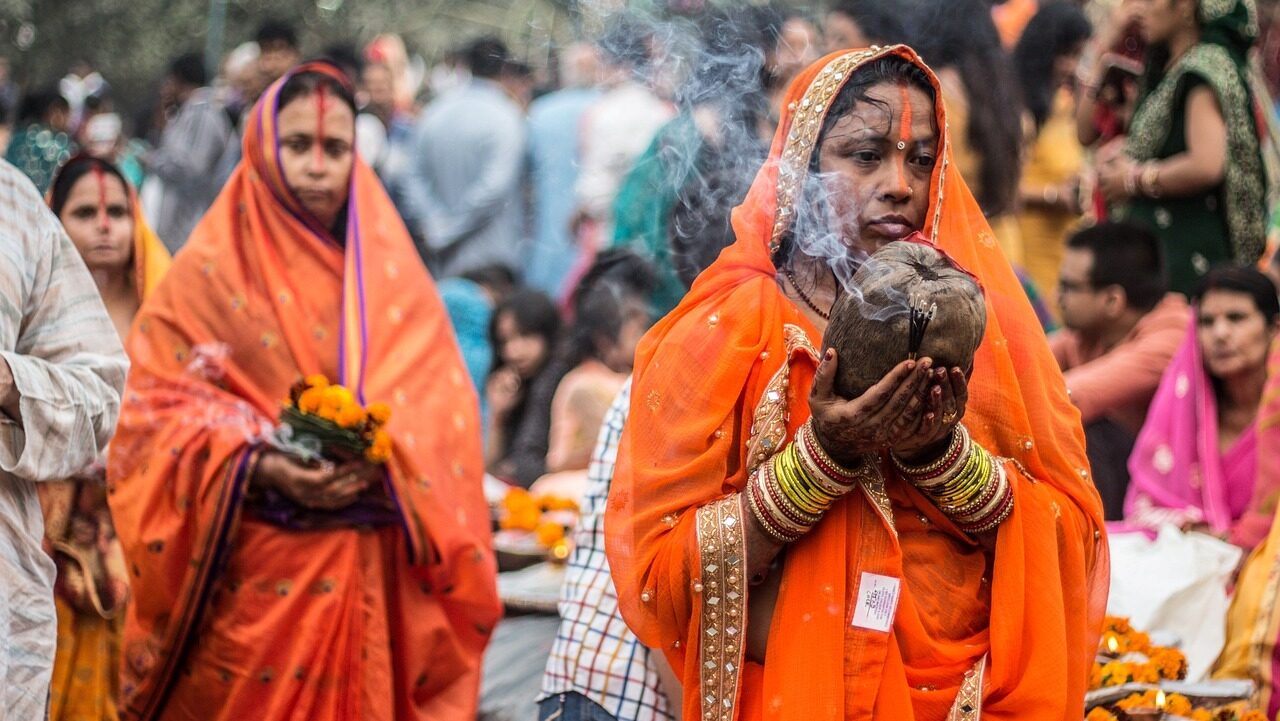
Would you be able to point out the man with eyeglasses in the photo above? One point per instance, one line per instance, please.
(1121, 329)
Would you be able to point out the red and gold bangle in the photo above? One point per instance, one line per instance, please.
(831, 485)
(1000, 512)
(826, 464)
(939, 466)
(772, 526)
(1002, 515)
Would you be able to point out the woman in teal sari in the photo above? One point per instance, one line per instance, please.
(1191, 167)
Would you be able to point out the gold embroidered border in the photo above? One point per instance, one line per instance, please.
(722, 551)
(769, 421)
(871, 480)
(807, 117)
(968, 704)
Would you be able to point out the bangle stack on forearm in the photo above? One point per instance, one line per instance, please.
(789, 493)
(966, 483)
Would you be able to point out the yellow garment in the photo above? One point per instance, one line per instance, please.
(1056, 157)
(966, 159)
(85, 683)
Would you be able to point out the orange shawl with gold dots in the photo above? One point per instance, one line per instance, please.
(235, 618)
(723, 381)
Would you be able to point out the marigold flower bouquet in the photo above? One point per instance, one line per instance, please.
(1127, 656)
(544, 520)
(324, 420)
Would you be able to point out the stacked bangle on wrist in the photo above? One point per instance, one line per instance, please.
(1149, 180)
(966, 483)
(789, 493)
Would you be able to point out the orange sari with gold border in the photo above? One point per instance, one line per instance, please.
(723, 381)
(236, 618)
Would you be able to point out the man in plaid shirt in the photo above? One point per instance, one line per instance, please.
(598, 671)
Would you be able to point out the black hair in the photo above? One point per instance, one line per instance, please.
(345, 56)
(534, 313)
(960, 34)
(879, 20)
(303, 84)
(600, 302)
(36, 106)
(497, 277)
(188, 68)
(1242, 279)
(72, 171)
(276, 31)
(625, 42)
(1126, 255)
(486, 57)
(888, 69)
(1054, 31)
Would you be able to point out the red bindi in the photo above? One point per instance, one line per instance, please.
(321, 102)
(102, 195)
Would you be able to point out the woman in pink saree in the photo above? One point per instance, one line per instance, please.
(1195, 462)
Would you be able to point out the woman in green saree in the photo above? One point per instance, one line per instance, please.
(1191, 167)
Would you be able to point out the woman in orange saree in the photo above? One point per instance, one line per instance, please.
(265, 588)
(101, 215)
(999, 625)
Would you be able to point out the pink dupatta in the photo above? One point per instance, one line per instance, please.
(1177, 472)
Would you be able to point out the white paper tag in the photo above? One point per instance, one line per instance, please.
(877, 602)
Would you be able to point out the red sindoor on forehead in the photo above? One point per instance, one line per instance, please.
(904, 129)
(101, 177)
(322, 100)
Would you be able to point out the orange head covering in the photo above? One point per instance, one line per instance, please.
(261, 296)
(150, 259)
(735, 344)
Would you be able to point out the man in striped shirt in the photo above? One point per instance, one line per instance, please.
(61, 374)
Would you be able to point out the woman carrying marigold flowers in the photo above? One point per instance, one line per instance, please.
(269, 587)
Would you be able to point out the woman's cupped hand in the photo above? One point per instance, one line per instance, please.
(911, 411)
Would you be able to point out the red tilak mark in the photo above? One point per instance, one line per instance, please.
(904, 129)
(321, 101)
(102, 195)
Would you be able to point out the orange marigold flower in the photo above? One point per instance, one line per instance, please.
(1115, 673)
(337, 397)
(1253, 716)
(1144, 699)
(1170, 662)
(380, 449)
(316, 380)
(309, 401)
(1146, 673)
(1177, 704)
(379, 413)
(1095, 676)
(548, 533)
(1099, 713)
(1201, 714)
(351, 416)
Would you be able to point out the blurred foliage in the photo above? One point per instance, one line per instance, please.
(132, 41)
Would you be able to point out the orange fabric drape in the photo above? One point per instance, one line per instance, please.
(700, 376)
(84, 684)
(233, 617)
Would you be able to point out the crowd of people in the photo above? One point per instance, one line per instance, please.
(863, 330)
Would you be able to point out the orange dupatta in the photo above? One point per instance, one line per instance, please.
(236, 618)
(723, 380)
